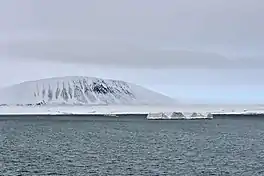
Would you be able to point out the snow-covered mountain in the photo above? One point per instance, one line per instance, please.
(75, 90)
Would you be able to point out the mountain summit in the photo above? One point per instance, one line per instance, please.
(77, 90)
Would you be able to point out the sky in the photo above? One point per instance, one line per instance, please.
(191, 50)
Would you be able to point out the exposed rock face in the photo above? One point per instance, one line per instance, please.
(79, 90)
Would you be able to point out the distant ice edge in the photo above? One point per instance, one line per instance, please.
(178, 115)
(148, 112)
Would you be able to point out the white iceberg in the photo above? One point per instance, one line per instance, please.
(209, 116)
(197, 114)
(158, 115)
(177, 115)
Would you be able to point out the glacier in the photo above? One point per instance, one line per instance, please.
(79, 90)
(80, 95)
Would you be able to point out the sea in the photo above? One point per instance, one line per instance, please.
(131, 146)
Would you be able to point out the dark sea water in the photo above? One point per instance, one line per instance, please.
(132, 147)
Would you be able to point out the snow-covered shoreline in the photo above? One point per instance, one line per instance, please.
(79, 95)
(133, 109)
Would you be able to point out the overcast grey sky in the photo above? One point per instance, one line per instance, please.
(140, 32)
(177, 44)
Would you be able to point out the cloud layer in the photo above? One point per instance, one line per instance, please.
(151, 33)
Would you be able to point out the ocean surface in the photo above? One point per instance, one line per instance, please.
(132, 146)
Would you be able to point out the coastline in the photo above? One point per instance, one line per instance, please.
(218, 111)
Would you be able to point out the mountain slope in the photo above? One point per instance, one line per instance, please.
(79, 90)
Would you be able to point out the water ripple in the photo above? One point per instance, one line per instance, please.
(136, 147)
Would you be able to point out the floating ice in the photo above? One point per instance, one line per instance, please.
(158, 115)
(195, 114)
(209, 116)
(179, 115)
